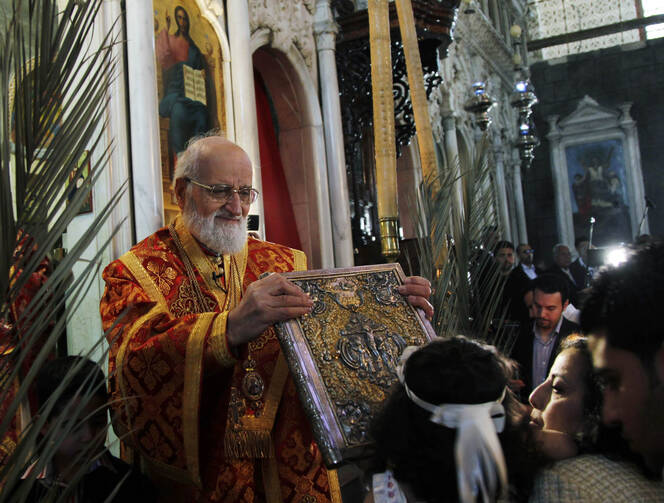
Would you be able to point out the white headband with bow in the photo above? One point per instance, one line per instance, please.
(477, 452)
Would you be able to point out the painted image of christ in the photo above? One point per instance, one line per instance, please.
(177, 54)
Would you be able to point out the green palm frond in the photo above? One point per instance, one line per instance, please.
(53, 93)
(454, 255)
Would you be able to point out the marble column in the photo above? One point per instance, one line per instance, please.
(325, 30)
(638, 215)
(503, 211)
(564, 222)
(117, 135)
(484, 5)
(517, 190)
(511, 204)
(244, 96)
(452, 156)
(145, 155)
(494, 15)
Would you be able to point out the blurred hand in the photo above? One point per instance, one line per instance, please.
(266, 302)
(417, 291)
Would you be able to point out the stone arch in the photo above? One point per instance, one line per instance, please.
(301, 143)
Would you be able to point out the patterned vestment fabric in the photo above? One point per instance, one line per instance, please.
(176, 384)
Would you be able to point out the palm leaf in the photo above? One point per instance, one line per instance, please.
(454, 255)
(60, 81)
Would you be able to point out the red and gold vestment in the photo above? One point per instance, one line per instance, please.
(177, 387)
(13, 342)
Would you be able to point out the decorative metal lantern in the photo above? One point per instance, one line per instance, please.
(479, 105)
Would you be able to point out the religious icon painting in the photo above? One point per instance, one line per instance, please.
(596, 173)
(344, 355)
(596, 168)
(190, 81)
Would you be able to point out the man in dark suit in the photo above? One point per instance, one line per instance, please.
(579, 267)
(562, 259)
(519, 280)
(537, 344)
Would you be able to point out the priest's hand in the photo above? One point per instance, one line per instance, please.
(417, 291)
(265, 302)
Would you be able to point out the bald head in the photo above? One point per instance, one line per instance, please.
(206, 155)
(213, 189)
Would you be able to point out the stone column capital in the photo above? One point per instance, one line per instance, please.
(449, 121)
(325, 40)
(325, 28)
(498, 153)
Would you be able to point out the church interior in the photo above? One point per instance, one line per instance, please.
(541, 119)
(292, 86)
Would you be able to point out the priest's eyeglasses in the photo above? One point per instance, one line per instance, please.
(223, 193)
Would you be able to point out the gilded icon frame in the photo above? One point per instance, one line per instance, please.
(343, 356)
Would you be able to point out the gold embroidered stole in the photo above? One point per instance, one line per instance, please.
(234, 267)
(248, 431)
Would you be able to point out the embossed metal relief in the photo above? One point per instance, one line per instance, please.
(344, 355)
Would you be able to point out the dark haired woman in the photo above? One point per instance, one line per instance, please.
(565, 426)
(437, 437)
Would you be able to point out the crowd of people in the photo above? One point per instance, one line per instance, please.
(202, 398)
(592, 427)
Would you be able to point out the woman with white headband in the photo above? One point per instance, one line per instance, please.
(438, 436)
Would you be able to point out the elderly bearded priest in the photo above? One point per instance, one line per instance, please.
(202, 391)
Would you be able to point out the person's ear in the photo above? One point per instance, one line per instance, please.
(180, 192)
(565, 304)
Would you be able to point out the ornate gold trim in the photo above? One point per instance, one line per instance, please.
(236, 264)
(274, 392)
(133, 263)
(299, 261)
(272, 398)
(119, 365)
(218, 342)
(193, 369)
(335, 487)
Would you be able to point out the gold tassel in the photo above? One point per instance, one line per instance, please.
(248, 444)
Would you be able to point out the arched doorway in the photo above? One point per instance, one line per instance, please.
(298, 132)
(280, 226)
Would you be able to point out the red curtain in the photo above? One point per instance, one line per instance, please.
(279, 217)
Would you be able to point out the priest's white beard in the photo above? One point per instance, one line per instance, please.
(221, 237)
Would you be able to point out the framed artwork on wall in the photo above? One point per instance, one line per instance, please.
(598, 189)
(190, 82)
(596, 164)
